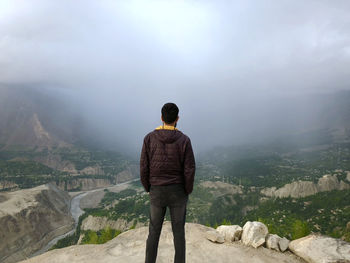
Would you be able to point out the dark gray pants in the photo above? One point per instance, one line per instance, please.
(174, 197)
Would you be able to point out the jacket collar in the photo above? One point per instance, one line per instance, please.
(166, 127)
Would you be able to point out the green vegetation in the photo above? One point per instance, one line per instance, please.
(90, 237)
(27, 174)
(263, 167)
(25, 167)
(71, 239)
(325, 212)
(211, 207)
(251, 167)
(110, 162)
(18, 168)
(109, 197)
(130, 207)
(99, 237)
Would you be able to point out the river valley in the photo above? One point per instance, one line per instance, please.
(76, 210)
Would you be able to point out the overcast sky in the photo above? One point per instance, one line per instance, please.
(220, 61)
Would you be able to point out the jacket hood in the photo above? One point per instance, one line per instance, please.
(167, 136)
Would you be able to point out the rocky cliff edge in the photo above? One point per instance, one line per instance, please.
(130, 247)
(30, 218)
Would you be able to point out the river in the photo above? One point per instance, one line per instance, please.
(76, 212)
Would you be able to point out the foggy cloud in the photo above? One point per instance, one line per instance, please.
(223, 62)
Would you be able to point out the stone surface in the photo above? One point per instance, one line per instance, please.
(130, 247)
(283, 244)
(272, 242)
(254, 234)
(230, 233)
(214, 236)
(30, 218)
(317, 249)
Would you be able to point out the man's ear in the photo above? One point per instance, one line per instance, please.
(177, 118)
(161, 117)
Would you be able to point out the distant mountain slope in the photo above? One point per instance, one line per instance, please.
(34, 119)
(44, 139)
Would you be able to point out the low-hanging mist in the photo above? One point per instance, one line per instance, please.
(240, 71)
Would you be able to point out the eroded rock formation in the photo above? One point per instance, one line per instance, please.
(30, 218)
(306, 188)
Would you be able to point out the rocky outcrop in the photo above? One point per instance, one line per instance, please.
(306, 188)
(97, 223)
(315, 249)
(92, 170)
(83, 184)
(230, 233)
(348, 176)
(30, 218)
(130, 247)
(254, 234)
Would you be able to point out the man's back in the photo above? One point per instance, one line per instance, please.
(167, 158)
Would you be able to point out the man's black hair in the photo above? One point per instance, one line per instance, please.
(169, 112)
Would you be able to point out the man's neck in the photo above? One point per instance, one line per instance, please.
(169, 124)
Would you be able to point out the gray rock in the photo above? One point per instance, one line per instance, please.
(214, 236)
(254, 234)
(316, 249)
(283, 244)
(272, 242)
(230, 233)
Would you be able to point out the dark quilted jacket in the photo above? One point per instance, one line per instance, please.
(167, 158)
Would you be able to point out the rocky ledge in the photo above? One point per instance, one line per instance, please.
(30, 218)
(312, 249)
(130, 247)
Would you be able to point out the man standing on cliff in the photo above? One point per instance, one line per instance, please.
(167, 169)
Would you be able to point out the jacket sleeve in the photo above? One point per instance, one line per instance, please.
(189, 167)
(144, 167)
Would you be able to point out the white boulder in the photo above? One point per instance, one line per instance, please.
(214, 236)
(316, 248)
(254, 234)
(272, 241)
(230, 233)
